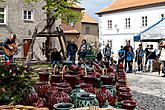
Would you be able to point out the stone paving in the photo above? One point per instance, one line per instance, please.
(148, 90)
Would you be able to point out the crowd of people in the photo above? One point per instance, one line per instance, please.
(72, 51)
(143, 58)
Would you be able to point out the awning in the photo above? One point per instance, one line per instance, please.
(153, 33)
(137, 37)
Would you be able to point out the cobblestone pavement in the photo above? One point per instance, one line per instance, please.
(148, 90)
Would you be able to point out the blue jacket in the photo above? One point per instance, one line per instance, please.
(121, 53)
(129, 56)
(139, 53)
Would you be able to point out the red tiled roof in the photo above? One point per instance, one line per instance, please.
(125, 4)
(87, 19)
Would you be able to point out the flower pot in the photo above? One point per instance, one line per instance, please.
(65, 87)
(56, 79)
(111, 89)
(110, 69)
(124, 89)
(124, 96)
(50, 91)
(121, 74)
(104, 95)
(85, 100)
(107, 80)
(89, 79)
(41, 88)
(31, 98)
(87, 87)
(63, 106)
(73, 93)
(122, 81)
(119, 85)
(43, 76)
(74, 68)
(129, 104)
(58, 97)
(72, 80)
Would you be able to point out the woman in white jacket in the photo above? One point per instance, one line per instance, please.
(162, 58)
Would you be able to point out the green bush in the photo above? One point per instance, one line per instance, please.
(15, 84)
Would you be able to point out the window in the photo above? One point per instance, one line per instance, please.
(162, 16)
(28, 15)
(2, 16)
(144, 21)
(109, 24)
(110, 43)
(87, 30)
(127, 22)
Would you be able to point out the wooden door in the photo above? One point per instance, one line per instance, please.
(26, 46)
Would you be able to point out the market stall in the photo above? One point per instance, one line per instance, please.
(154, 34)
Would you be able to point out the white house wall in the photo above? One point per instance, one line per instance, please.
(118, 34)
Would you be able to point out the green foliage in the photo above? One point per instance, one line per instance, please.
(14, 84)
(60, 9)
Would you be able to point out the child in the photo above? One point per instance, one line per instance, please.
(129, 60)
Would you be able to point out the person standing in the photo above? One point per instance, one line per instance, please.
(47, 49)
(71, 51)
(162, 58)
(99, 56)
(7, 46)
(121, 55)
(151, 57)
(139, 58)
(129, 60)
(107, 51)
(127, 48)
(146, 55)
(83, 49)
(55, 58)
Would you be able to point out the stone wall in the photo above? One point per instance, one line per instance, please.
(23, 29)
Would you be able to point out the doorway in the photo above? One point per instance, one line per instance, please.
(26, 46)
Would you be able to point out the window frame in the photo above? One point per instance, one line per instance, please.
(27, 15)
(144, 21)
(109, 24)
(87, 30)
(5, 15)
(128, 23)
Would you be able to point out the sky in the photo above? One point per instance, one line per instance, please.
(92, 6)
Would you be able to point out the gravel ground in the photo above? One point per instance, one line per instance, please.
(148, 90)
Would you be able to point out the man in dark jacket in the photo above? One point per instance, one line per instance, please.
(127, 48)
(139, 58)
(55, 57)
(151, 58)
(71, 51)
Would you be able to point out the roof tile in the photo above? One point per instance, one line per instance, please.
(125, 4)
(87, 19)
